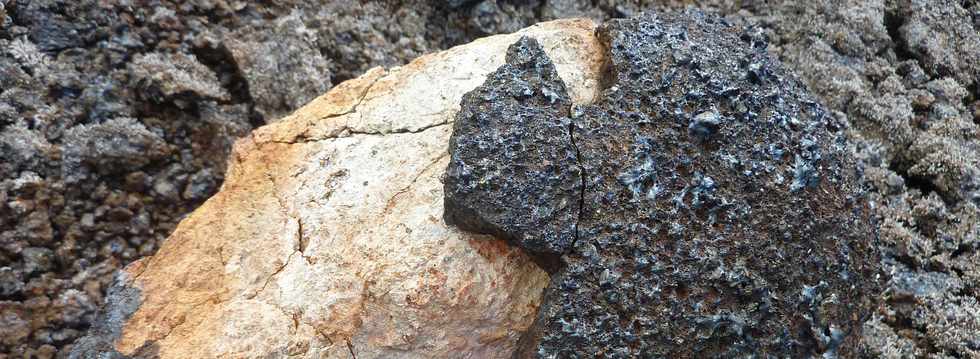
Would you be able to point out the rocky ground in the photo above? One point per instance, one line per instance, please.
(116, 118)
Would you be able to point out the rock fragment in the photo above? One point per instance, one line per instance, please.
(114, 146)
(280, 64)
(165, 77)
(512, 151)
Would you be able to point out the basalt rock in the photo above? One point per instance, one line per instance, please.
(518, 118)
(719, 212)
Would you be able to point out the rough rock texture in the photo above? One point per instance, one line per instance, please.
(898, 71)
(519, 117)
(326, 239)
(187, 78)
(721, 212)
(281, 65)
(903, 74)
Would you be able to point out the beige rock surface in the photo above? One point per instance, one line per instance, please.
(327, 239)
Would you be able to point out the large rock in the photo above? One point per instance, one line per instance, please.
(327, 239)
(705, 206)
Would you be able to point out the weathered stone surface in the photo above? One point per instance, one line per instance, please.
(537, 194)
(327, 239)
(721, 215)
(166, 77)
(281, 65)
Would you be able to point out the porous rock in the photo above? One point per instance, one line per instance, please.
(721, 214)
(117, 145)
(281, 65)
(164, 76)
(536, 195)
(326, 239)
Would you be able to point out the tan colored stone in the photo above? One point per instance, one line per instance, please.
(327, 239)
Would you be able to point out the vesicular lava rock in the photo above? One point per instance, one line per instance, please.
(720, 210)
(537, 195)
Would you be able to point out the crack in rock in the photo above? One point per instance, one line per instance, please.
(719, 210)
(390, 204)
(348, 132)
(350, 349)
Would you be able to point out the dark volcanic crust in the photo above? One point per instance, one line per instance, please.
(721, 214)
(518, 117)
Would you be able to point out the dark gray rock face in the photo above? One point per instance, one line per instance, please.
(522, 164)
(721, 214)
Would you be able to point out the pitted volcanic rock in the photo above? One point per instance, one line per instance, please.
(719, 212)
(537, 193)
